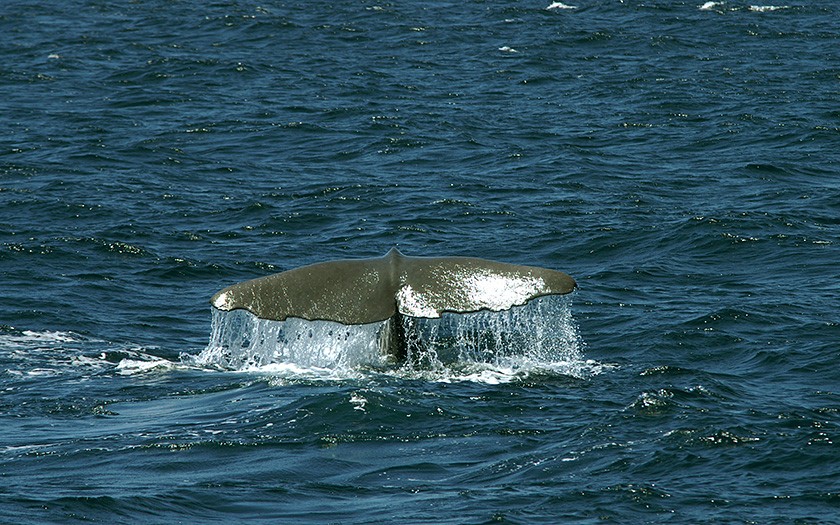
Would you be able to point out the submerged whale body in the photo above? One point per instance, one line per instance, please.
(392, 288)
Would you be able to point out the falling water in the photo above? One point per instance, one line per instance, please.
(539, 334)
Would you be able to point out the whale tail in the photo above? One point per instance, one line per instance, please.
(363, 291)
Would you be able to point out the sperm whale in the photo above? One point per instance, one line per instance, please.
(390, 288)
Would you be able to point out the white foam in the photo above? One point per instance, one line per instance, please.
(767, 8)
(24, 448)
(35, 372)
(30, 339)
(712, 5)
(492, 374)
(358, 401)
(54, 353)
(508, 49)
(560, 5)
(129, 367)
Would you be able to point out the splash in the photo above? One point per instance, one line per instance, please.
(560, 5)
(45, 354)
(240, 340)
(767, 8)
(543, 331)
(484, 346)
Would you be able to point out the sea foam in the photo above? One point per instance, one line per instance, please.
(560, 5)
(767, 8)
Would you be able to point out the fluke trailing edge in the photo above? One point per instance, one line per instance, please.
(361, 291)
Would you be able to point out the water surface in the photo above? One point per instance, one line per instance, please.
(679, 159)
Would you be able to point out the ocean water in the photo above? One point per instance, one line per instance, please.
(680, 159)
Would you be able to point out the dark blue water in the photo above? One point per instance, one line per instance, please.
(680, 159)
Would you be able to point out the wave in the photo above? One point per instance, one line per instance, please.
(767, 8)
(560, 5)
(29, 355)
(720, 6)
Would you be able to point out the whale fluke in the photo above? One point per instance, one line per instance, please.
(390, 288)
(361, 291)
